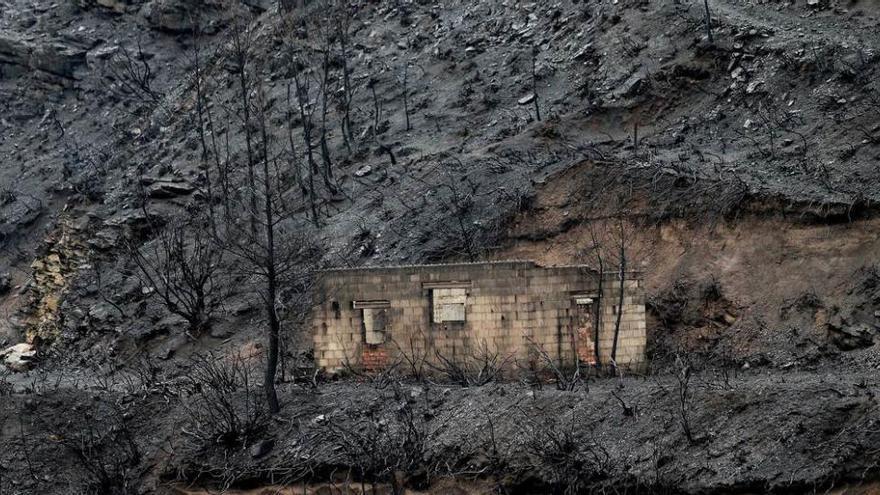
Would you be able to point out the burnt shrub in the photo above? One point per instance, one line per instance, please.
(225, 405)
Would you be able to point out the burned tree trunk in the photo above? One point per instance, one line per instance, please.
(622, 278)
(708, 21)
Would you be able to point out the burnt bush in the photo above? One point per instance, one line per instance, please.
(102, 445)
(543, 367)
(474, 369)
(381, 448)
(711, 290)
(226, 405)
(569, 460)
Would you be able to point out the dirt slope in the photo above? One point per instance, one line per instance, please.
(785, 280)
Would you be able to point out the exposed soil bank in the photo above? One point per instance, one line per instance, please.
(777, 278)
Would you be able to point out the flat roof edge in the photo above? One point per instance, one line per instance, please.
(512, 263)
(528, 263)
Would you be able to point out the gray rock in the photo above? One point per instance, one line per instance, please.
(135, 219)
(104, 239)
(632, 86)
(525, 100)
(102, 312)
(13, 50)
(169, 15)
(53, 58)
(259, 5)
(57, 59)
(363, 171)
(262, 448)
(164, 189)
(584, 53)
(220, 332)
(181, 16)
(18, 214)
(240, 307)
(849, 337)
(102, 53)
(171, 324)
(113, 6)
(5, 283)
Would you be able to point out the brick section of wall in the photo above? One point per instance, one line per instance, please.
(374, 357)
(586, 350)
(508, 306)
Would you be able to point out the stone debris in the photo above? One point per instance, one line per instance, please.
(363, 171)
(19, 357)
(848, 335)
(46, 56)
(525, 100)
(164, 189)
(262, 448)
(5, 283)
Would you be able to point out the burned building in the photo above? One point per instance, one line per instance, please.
(370, 317)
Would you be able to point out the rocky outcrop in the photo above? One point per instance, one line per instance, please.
(12, 49)
(115, 6)
(17, 214)
(847, 333)
(18, 55)
(183, 16)
(167, 188)
(58, 59)
(51, 275)
(5, 283)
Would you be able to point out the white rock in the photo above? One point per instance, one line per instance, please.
(19, 356)
(525, 100)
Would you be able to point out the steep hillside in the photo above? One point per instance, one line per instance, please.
(779, 109)
(740, 172)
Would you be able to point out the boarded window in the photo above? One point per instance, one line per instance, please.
(374, 314)
(449, 305)
(375, 320)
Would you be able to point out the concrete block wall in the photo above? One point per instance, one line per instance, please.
(508, 307)
(632, 336)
